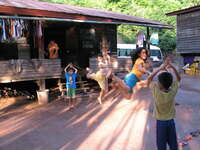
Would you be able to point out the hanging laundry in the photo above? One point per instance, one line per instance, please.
(154, 39)
(12, 28)
(8, 31)
(39, 40)
(4, 30)
(140, 38)
(1, 29)
(39, 29)
(18, 28)
(21, 27)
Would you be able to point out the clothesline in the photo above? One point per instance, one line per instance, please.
(12, 28)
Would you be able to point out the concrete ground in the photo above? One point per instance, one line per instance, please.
(118, 124)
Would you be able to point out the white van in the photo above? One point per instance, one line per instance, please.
(124, 51)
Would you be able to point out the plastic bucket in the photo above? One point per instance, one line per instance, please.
(43, 96)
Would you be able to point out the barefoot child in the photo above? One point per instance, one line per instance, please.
(101, 76)
(70, 75)
(164, 92)
(132, 78)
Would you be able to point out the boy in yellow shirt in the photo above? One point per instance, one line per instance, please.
(164, 92)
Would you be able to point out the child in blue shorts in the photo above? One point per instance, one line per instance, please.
(132, 81)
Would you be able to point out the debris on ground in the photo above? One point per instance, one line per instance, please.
(188, 138)
(9, 92)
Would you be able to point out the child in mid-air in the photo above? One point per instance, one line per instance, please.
(101, 76)
(70, 75)
(132, 79)
(164, 91)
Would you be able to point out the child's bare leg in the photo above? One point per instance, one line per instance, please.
(101, 95)
(74, 102)
(121, 83)
(69, 102)
(139, 85)
(124, 91)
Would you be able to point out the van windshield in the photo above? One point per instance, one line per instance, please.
(155, 53)
(124, 52)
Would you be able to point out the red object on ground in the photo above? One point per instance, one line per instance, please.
(182, 144)
(188, 138)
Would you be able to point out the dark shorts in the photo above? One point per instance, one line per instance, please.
(166, 134)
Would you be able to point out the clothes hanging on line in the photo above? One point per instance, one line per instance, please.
(140, 37)
(4, 30)
(38, 35)
(12, 28)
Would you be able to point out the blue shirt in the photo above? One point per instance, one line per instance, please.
(70, 80)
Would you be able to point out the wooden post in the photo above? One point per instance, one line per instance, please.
(41, 84)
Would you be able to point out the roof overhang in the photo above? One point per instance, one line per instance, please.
(184, 11)
(86, 21)
(35, 10)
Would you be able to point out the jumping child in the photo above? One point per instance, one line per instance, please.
(70, 75)
(132, 79)
(101, 76)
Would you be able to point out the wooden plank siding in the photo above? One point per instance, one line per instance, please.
(29, 69)
(188, 32)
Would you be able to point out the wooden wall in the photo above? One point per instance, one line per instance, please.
(188, 32)
(123, 64)
(29, 69)
(109, 38)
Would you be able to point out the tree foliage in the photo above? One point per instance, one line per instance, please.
(149, 9)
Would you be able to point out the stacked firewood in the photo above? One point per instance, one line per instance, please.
(7, 92)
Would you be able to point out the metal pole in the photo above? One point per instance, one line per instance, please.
(148, 38)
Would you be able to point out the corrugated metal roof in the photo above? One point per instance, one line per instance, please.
(62, 8)
(183, 11)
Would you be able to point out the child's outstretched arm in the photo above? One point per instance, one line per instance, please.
(152, 75)
(141, 68)
(178, 77)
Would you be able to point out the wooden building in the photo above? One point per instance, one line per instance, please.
(79, 32)
(188, 33)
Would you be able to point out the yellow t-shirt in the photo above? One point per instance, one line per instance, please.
(135, 69)
(164, 103)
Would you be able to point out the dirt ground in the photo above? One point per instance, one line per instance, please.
(118, 124)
